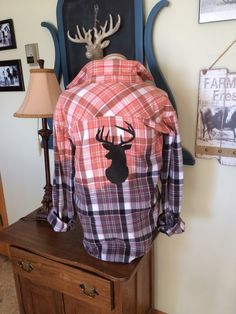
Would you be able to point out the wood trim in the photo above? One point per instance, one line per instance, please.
(4, 249)
(156, 312)
(3, 211)
(215, 151)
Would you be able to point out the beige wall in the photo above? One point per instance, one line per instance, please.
(20, 164)
(195, 272)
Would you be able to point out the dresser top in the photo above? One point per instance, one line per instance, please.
(66, 247)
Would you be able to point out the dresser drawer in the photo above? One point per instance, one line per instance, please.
(69, 280)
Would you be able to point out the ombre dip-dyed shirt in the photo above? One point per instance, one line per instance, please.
(118, 160)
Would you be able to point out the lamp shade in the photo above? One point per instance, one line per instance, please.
(41, 96)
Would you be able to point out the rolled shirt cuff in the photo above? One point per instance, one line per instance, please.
(170, 223)
(60, 225)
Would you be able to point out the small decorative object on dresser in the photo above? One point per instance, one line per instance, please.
(11, 77)
(7, 35)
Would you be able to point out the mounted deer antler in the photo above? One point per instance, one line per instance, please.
(94, 48)
(87, 39)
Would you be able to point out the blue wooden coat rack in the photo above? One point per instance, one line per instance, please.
(143, 49)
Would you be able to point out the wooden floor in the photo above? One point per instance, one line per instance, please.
(8, 299)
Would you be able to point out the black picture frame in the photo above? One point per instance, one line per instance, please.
(216, 10)
(7, 35)
(11, 76)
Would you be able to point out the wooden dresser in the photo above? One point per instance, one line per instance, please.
(55, 275)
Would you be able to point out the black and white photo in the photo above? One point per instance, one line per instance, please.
(216, 10)
(7, 35)
(11, 78)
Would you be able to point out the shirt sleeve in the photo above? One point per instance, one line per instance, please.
(62, 216)
(169, 221)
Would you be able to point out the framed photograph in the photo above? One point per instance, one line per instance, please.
(7, 35)
(216, 10)
(11, 77)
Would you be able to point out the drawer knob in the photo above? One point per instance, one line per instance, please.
(88, 290)
(25, 265)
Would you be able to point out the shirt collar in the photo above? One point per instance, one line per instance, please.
(112, 71)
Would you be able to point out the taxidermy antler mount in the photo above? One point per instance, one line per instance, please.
(94, 38)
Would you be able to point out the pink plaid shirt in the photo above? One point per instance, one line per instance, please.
(116, 140)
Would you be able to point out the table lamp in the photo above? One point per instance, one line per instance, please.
(40, 101)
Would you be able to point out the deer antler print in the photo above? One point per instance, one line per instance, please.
(118, 171)
(99, 137)
(130, 130)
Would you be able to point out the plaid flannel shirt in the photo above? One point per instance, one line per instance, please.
(118, 160)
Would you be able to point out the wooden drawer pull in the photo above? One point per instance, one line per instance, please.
(25, 265)
(88, 290)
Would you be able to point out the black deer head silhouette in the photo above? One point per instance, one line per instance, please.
(118, 171)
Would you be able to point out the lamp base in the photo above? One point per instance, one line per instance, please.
(42, 214)
(43, 211)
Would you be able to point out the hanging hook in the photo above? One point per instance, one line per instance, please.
(96, 9)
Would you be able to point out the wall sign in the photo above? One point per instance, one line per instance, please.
(216, 127)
